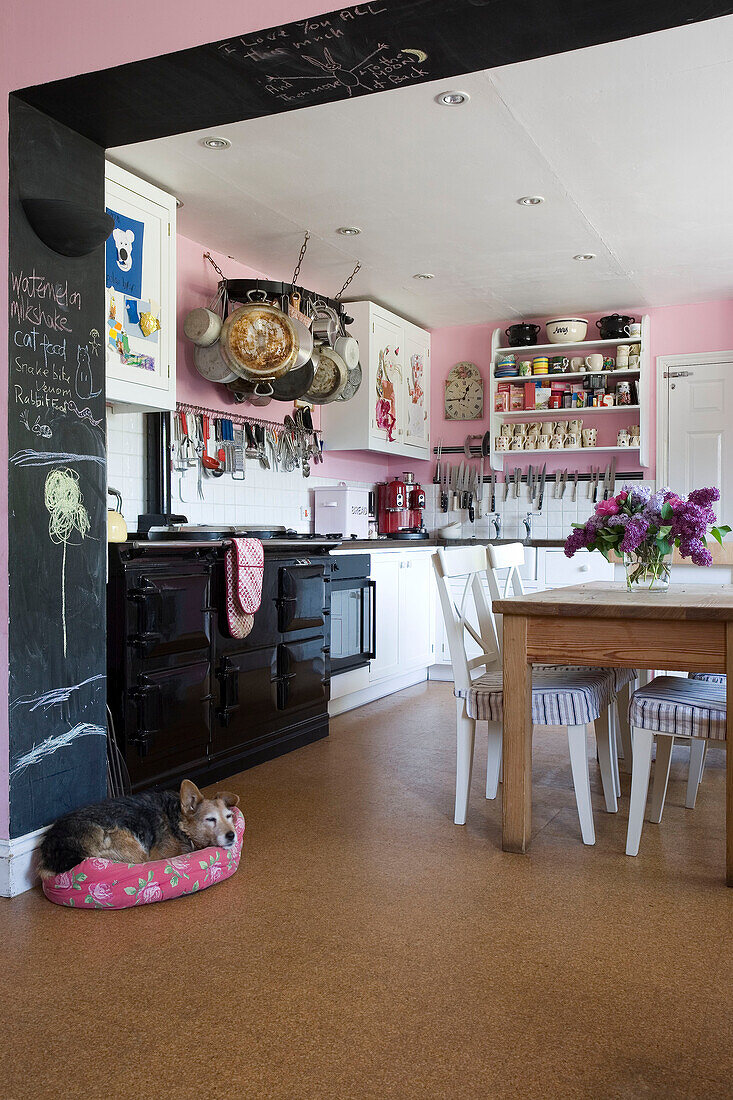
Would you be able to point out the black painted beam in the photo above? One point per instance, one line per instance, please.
(350, 52)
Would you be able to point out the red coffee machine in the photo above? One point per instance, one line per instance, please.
(399, 508)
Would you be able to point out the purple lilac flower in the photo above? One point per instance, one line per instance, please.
(695, 549)
(689, 521)
(653, 507)
(620, 520)
(638, 494)
(575, 541)
(636, 532)
(704, 497)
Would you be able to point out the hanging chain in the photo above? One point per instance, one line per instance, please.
(303, 250)
(210, 258)
(351, 276)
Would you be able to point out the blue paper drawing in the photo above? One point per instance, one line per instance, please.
(124, 255)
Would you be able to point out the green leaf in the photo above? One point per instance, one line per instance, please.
(88, 900)
(167, 870)
(666, 511)
(130, 890)
(150, 874)
(141, 882)
(663, 546)
(81, 877)
(174, 880)
(203, 864)
(194, 888)
(605, 553)
(664, 531)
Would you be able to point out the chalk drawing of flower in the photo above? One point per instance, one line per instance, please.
(65, 504)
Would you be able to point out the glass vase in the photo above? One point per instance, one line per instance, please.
(647, 570)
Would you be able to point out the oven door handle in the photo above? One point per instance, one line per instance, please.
(371, 587)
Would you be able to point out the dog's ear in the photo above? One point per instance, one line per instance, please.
(191, 797)
(227, 798)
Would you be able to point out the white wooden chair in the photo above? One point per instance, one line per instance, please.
(667, 708)
(563, 697)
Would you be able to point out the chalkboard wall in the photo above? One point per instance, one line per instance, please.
(57, 491)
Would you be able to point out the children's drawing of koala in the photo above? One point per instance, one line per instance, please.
(124, 240)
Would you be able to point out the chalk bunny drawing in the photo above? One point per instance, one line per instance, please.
(332, 70)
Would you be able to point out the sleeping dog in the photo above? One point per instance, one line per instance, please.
(139, 827)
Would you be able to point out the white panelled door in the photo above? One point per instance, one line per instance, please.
(700, 436)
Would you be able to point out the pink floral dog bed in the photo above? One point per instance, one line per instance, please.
(102, 884)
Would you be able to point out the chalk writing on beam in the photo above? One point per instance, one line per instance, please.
(28, 457)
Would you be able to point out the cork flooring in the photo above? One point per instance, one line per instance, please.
(369, 948)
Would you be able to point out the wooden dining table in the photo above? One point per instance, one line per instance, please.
(687, 628)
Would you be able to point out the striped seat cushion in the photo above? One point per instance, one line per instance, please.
(710, 677)
(560, 696)
(621, 676)
(680, 706)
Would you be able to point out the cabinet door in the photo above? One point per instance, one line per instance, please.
(385, 572)
(168, 612)
(167, 720)
(386, 373)
(415, 626)
(416, 394)
(560, 571)
(140, 264)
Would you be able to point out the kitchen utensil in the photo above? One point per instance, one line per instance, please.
(293, 385)
(302, 331)
(259, 340)
(596, 480)
(517, 480)
(611, 479)
(238, 468)
(576, 475)
(207, 461)
(348, 348)
(530, 483)
(326, 322)
(566, 330)
(116, 526)
(541, 495)
(563, 483)
(522, 335)
(330, 378)
(212, 365)
(202, 327)
(353, 382)
(614, 326)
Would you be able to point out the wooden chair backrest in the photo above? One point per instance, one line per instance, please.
(468, 564)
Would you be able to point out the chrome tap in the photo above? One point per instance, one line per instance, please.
(528, 526)
(496, 520)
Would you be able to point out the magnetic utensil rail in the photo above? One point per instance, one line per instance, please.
(237, 418)
(476, 453)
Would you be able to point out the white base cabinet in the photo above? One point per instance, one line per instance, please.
(390, 412)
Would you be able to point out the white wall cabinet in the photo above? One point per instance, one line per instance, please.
(140, 279)
(385, 571)
(391, 411)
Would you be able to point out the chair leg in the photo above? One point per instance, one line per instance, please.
(465, 735)
(581, 781)
(698, 752)
(604, 740)
(493, 766)
(642, 762)
(622, 708)
(661, 776)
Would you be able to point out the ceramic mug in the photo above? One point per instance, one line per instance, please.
(577, 364)
(507, 430)
(635, 330)
(572, 439)
(520, 429)
(575, 426)
(525, 367)
(548, 428)
(530, 443)
(540, 365)
(623, 350)
(517, 443)
(594, 362)
(622, 439)
(507, 360)
(589, 437)
(558, 441)
(559, 364)
(502, 442)
(634, 349)
(633, 362)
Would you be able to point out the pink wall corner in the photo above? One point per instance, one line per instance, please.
(75, 38)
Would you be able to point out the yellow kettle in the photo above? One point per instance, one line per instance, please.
(116, 526)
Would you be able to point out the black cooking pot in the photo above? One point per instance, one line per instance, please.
(522, 335)
(615, 326)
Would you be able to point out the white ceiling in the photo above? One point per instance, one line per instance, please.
(629, 143)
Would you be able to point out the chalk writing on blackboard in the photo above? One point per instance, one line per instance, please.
(28, 457)
(51, 744)
(67, 514)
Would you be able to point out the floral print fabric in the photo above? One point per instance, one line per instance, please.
(102, 884)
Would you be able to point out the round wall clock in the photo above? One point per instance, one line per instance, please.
(464, 393)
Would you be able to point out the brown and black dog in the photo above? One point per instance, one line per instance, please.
(139, 827)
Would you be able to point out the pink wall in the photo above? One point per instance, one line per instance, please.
(43, 41)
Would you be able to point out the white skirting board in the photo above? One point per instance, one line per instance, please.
(18, 861)
(376, 691)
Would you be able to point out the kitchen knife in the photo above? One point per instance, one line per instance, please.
(563, 483)
(507, 479)
(530, 484)
(612, 478)
(596, 479)
(575, 485)
(517, 481)
(606, 481)
(542, 487)
(493, 490)
(591, 475)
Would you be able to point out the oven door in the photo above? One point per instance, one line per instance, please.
(353, 623)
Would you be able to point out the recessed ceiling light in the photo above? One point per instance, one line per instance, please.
(585, 256)
(349, 230)
(530, 200)
(424, 275)
(452, 99)
(215, 143)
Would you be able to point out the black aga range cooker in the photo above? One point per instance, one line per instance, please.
(188, 700)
